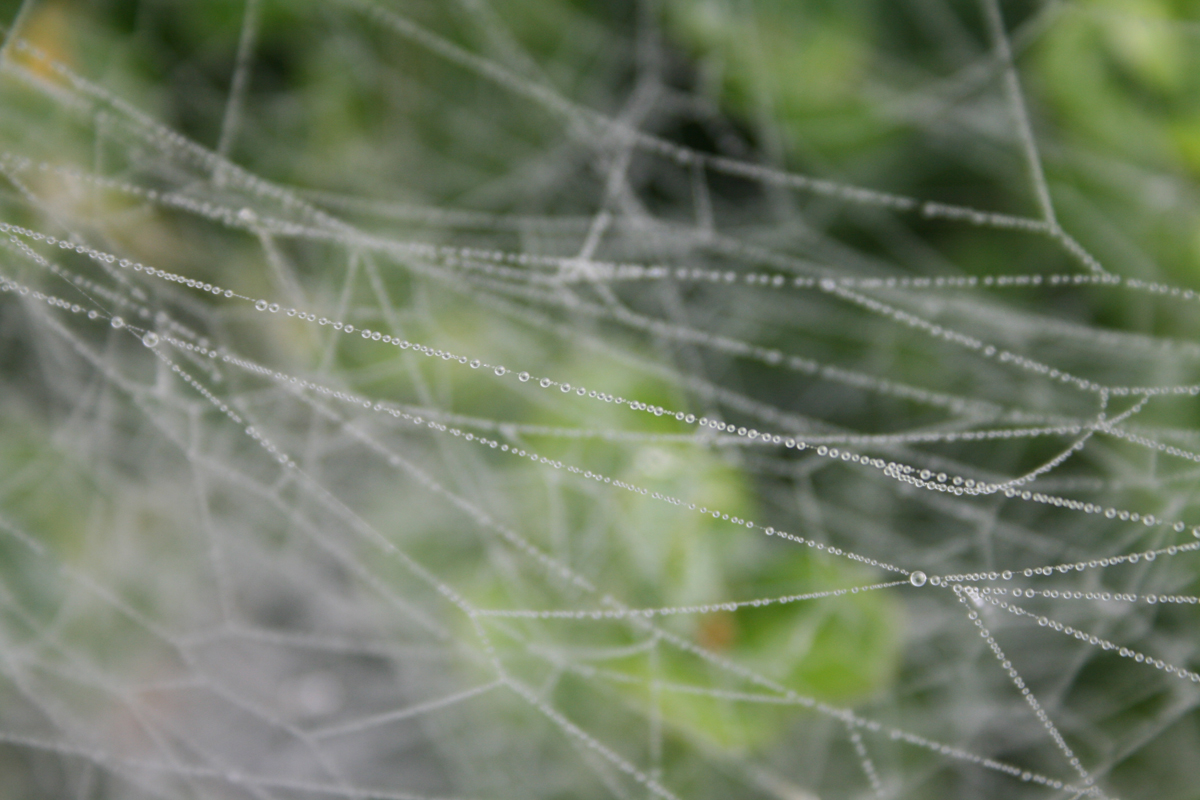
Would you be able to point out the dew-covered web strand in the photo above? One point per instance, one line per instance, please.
(240, 82)
(389, 717)
(995, 597)
(1016, 100)
(708, 608)
(1027, 694)
(864, 758)
(1098, 596)
(10, 28)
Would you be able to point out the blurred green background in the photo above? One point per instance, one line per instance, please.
(355, 116)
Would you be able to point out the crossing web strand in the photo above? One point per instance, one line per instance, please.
(677, 399)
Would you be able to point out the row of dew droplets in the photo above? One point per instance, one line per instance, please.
(923, 478)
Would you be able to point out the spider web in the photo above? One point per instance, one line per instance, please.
(615, 458)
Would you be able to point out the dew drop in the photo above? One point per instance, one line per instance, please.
(524, 376)
(150, 339)
(917, 578)
(261, 305)
(545, 383)
(476, 364)
(501, 371)
(117, 322)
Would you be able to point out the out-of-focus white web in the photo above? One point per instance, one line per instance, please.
(230, 705)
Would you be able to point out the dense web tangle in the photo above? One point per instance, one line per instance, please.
(521, 398)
